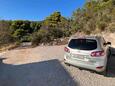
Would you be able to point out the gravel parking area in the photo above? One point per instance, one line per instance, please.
(43, 66)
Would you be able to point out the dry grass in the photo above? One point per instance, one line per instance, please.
(8, 47)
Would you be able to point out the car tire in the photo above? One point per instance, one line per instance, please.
(104, 73)
(109, 53)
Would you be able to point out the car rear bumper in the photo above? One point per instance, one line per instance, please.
(98, 67)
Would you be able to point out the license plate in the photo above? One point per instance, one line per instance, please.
(78, 56)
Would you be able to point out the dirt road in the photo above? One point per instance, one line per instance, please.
(43, 66)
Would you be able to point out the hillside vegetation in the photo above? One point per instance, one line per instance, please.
(96, 16)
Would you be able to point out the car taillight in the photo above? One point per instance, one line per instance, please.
(66, 49)
(100, 67)
(97, 53)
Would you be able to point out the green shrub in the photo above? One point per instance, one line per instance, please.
(111, 27)
(102, 26)
(6, 38)
(66, 33)
(35, 39)
(46, 36)
(18, 34)
(5, 33)
(55, 33)
(42, 36)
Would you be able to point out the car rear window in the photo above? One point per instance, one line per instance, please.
(83, 44)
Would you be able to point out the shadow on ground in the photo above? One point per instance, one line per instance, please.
(111, 63)
(46, 73)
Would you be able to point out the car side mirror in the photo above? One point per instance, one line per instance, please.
(104, 44)
(108, 43)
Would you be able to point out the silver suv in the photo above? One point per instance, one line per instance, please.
(90, 52)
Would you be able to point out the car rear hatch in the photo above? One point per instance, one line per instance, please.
(80, 49)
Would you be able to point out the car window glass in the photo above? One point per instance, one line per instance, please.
(83, 44)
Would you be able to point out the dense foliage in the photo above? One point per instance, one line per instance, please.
(94, 17)
(5, 33)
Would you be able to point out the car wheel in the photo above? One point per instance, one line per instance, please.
(104, 73)
(109, 53)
